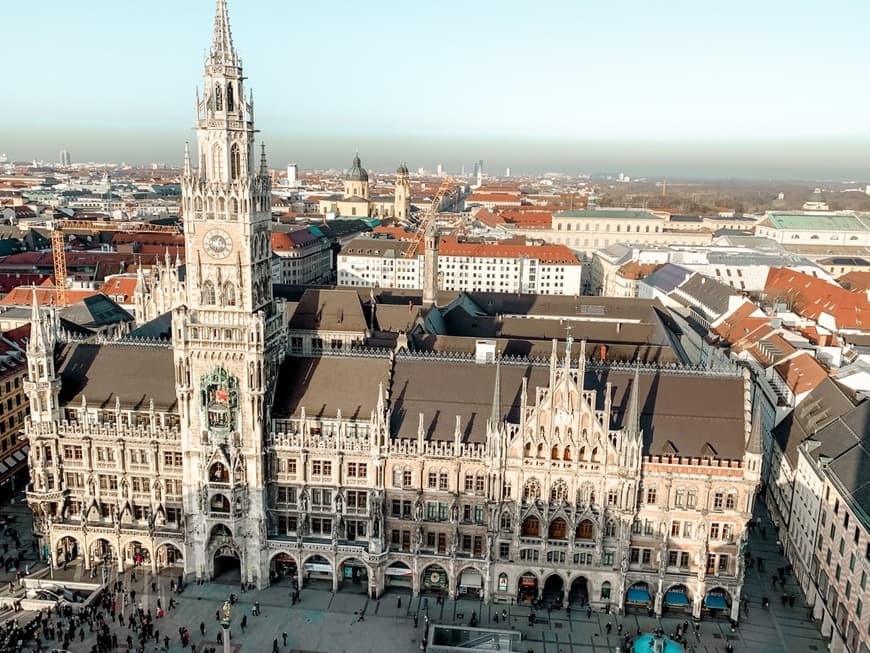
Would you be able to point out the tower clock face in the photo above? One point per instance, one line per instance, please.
(217, 243)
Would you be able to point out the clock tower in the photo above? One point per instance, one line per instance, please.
(226, 336)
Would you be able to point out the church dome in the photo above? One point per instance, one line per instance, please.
(357, 172)
(402, 169)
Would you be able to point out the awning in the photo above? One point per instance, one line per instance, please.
(716, 602)
(637, 595)
(317, 567)
(676, 598)
(471, 578)
(398, 571)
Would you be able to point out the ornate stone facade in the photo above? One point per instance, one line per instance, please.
(514, 479)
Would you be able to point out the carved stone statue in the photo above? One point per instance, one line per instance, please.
(303, 500)
(227, 610)
(339, 502)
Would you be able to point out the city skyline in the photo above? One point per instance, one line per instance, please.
(673, 91)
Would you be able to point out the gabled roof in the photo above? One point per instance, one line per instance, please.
(801, 372)
(811, 297)
(329, 310)
(668, 277)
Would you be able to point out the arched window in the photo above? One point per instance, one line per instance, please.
(528, 449)
(610, 528)
(197, 203)
(541, 450)
(559, 491)
(506, 521)
(506, 490)
(566, 455)
(605, 590)
(208, 293)
(229, 293)
(531, 527)
(397, 476)
(217, 162)
(235, 161)
(532, 490)
(221, 205)
(585, 530)
(554, 452)
(594, 456)
(558, 529)
(731, 500)
(234, 207)
(231, 104)
(218, 98)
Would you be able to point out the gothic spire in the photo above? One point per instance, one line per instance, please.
(264, 169)
(187, 170)
(222, 44)
(38, 337)
(495, 416)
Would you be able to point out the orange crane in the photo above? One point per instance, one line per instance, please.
(428, 217)
(58, 243)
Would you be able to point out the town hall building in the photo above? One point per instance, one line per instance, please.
(225, 451)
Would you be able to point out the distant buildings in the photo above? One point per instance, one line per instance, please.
(829, 229)
(615, 270)
(485, 267)
(301, 256)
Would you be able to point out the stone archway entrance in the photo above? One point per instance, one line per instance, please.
(282, 568)
(66, 551)
(579, 593)
(227, 566)
(398, 575)
(169, 555)
(554, 588)
(353, 576)
(318, 572)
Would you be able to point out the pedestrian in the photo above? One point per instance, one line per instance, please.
(202, 628)
(791, 599)
(284, 637)
(257, 605)
(608, 627)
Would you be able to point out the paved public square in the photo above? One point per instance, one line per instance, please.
(350, 622)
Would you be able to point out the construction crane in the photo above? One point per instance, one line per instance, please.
(91, 226)
(428, 217)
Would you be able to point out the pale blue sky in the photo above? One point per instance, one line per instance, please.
(452, 81)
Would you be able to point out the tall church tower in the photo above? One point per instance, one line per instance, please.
(226, 335)
(402, 197)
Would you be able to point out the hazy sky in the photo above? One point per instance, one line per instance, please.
(755, 88)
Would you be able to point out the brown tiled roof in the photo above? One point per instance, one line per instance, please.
(679, 414)
(132, 373)
(329, 310)
(323, 386)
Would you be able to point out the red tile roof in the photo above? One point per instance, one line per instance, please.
(857, 281)
(801, 373)
(396, 233)
(528, 217)
(635, 270)
(23, 296)
(498, 198)
(123, 287)
(811, 297)
(449, 246)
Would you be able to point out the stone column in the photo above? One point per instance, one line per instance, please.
(225, 631)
